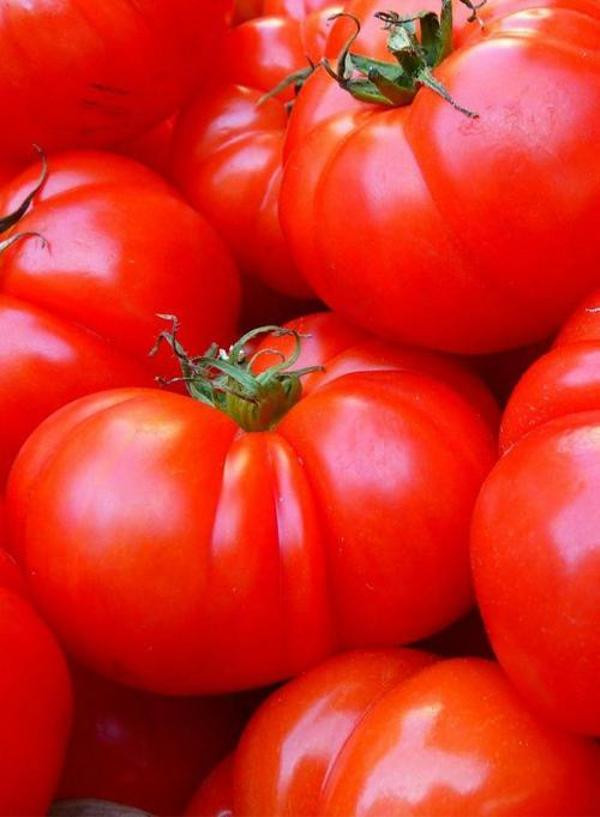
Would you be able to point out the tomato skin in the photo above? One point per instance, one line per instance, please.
(79, 315)
(456, 739)
(283, 547)
(145, 750)
(35, 705)
(227, 149)
(424, 260)
(537, 575)
(290, 746)
(247, 9)
(116, 68)
(563, 381)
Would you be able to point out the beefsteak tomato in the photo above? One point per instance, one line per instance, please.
(105, 245)
(469, 230)
(79, 73)
(35, 704)
(176, 548)
(391, 733)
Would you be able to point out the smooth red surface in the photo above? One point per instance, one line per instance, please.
(83, 73)
(247, 9)
(471, 235)
(536, 558)
(202, 558)
(144, 750)
(390, 733)
(227, 150)
(35, 704)
(214, 798)
(79, 315)
(564, 381)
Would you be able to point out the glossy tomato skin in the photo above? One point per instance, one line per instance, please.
(35, 704)
(227, 150)
(455, 739)
(145, 750)
(88, 74)
(284, 546)
(291, 744)
(247, 9)
(537, 566)
(214, 797)
(425, 256)
(563, 381)
(79, 314)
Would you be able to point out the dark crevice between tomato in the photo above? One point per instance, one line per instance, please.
(226, 380)
(6, 222)
(395, 84)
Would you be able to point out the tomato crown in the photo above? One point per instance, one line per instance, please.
(396, 84)
(226, 379)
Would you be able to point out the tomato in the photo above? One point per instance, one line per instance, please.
(153, 147)
(563, 381)
(35, 704)
(201, 557)
(89, 74)
(537, 567)
(467, 234)
(393, 733)
(78, 314)
(227, 150)
(145, 750)
(247, 9)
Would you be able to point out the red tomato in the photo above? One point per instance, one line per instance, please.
(145, 750)
(79, 314)
(467, 234)
(153, 147)
(200, 557)
(92, 74)
(536, 558)
(35, 704)
(227, 150)
(391, 733)
(564, 381)
(247, 9)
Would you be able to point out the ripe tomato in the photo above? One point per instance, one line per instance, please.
(247, 9)
(200, 557)
(467, 234)
(145, 750)
(214, 798)
(35, 704)
(90, 74)
(391, 733)
(564, 381)
(536, 562)
(79, 313)
(227, 149)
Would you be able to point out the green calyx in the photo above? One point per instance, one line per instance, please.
(395, 84)
(6, 222)
(225, 380)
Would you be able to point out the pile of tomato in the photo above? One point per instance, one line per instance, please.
(300, 408)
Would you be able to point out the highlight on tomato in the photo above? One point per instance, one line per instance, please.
(83, 73)
(432, 192)
(144, 750)
(228, 143)
(395, 732)
(235, 536)
(91, 252)
(35, 703)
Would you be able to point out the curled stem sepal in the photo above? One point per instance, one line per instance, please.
(226, 380)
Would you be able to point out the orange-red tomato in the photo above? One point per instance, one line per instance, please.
(83, 73)
(35, 704)
(391, 733)
(467, 234)
(227, 150)
(199, 557)
(247, 9)
(78, 314)
(536, 558)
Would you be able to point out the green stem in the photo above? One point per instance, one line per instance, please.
(6, 222)
(226, 381)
